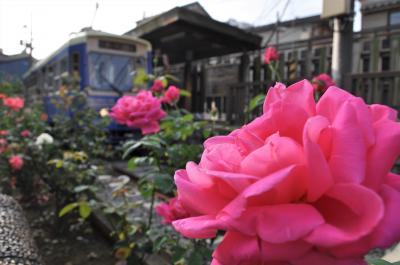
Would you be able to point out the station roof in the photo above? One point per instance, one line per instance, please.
(190, 30)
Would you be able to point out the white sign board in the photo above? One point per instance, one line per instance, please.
(335, 8)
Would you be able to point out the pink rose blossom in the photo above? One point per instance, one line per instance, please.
(157, 86)
(25, 133)
(171, 211)
(270, 54)
(141, 111)
(304, 184)
(322, 82)
(16, 103)
(171, 96)
(3, 132)
(16, 162)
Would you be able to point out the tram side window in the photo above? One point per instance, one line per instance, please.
(63, 65)
(50, 77)
(75, 62)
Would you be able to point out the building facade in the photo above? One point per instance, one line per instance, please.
(229, 81)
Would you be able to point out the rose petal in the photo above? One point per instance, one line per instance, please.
(277, 153)
(236, 249)
(331, 102)
(382, 112)
(348, 157)
(193, 197)
(205, 226)
(347, 215)
(300, 94)
(382, 156)
(319, 175)
(388, 230)
(261, 192)
(287, 222)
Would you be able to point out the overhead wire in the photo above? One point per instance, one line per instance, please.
(280, 16)
(266, 11)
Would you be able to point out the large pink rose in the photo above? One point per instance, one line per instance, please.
(304, 184)
(141, 111)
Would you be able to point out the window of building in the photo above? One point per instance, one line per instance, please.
(394, 18)
(366, 46)
(317, 52)
(303, 54)
(385, 95)
(385, 61)
(365, 63)
(385, 43)
(316, 67)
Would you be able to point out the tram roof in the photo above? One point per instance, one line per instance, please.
(81, 37)
(185, 29)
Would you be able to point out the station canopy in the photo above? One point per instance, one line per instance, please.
(189, 33)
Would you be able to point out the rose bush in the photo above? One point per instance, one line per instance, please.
(304, 184)
(141, 111)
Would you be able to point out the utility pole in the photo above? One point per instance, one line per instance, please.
(342, 44)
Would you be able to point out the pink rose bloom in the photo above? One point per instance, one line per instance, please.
(16, 162)
(141, 111)
(171, 211)
(304, 184)
(25, 133)
(270, 54)
(157, 86)
(171, 96)
(3, 132)
(16, 103)
(322, 82)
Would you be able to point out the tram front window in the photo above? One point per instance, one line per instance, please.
(110, 72)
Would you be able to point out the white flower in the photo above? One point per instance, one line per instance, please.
(44, 138)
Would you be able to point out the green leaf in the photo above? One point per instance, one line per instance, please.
(185, 93)
(67, 208)
(140, 78)
(376, 261)
(187, 117)
(131, 148)
(256, 102)
(81, 188)
(84, 209)
(171, 77)
(132, 164)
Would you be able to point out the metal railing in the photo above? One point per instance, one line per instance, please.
(378, 87)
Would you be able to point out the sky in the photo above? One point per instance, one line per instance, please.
(53, 21)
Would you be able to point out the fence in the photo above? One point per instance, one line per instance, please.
(382, 87)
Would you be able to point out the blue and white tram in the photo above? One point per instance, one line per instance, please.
(105, 64)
